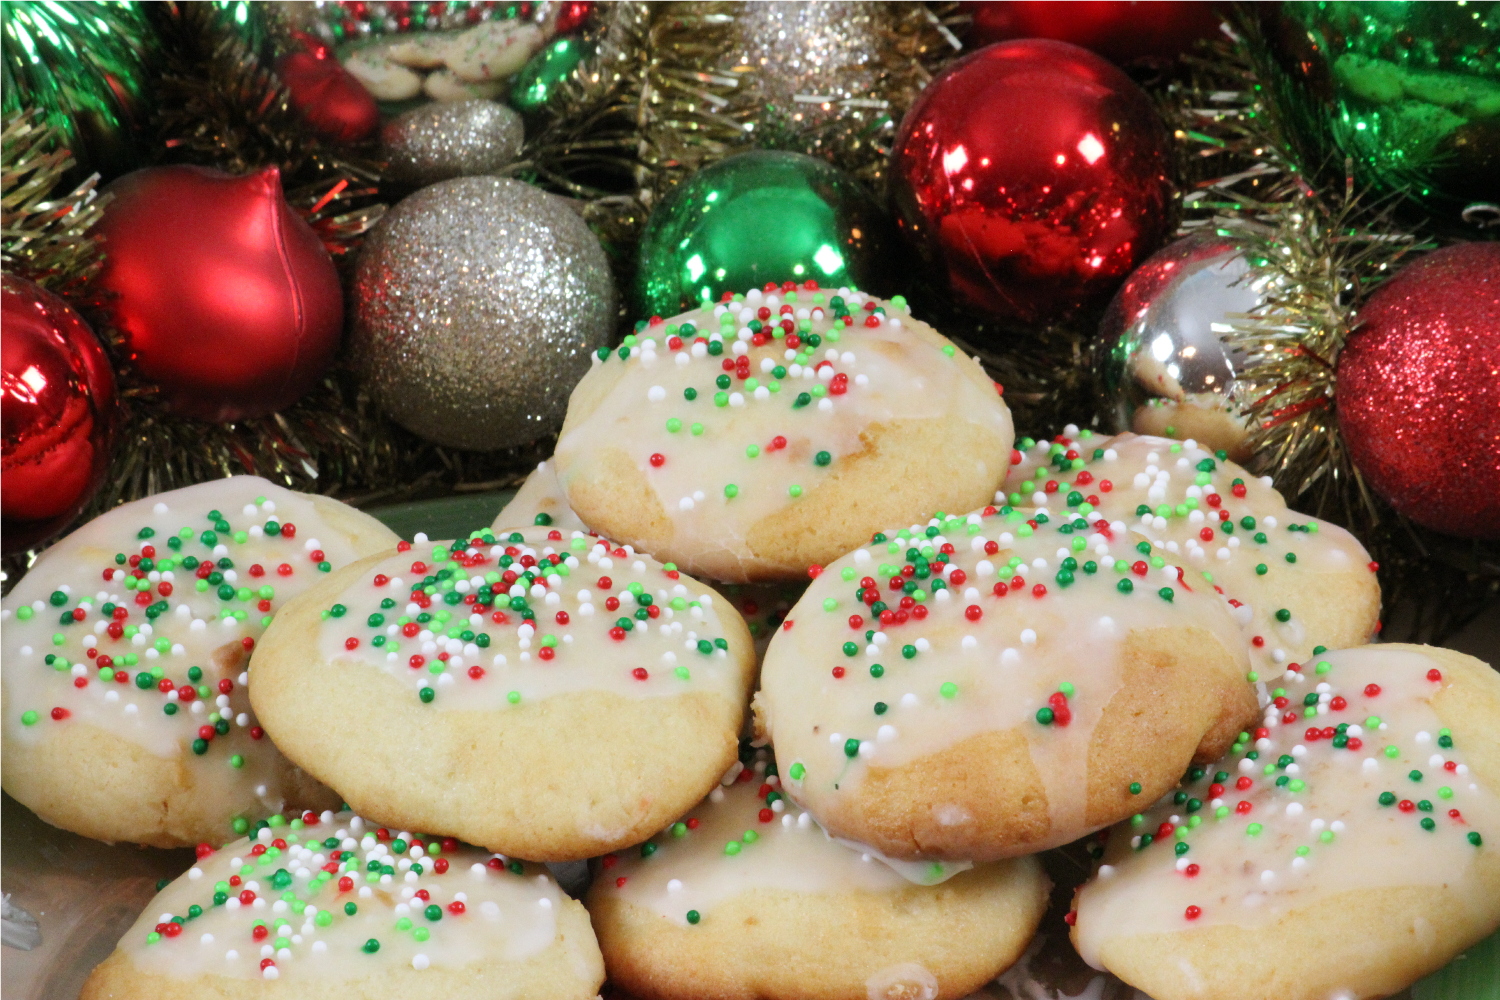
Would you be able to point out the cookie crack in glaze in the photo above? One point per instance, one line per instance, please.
(751, 438)
(1359, 812)
(129, 640)
(993, 684)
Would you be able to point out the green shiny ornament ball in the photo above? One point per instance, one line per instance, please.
(1408, 92)
(755, 218)
(537, 81)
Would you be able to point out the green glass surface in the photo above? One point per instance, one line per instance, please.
(534, 86)
(1408, 91)
(755, 218)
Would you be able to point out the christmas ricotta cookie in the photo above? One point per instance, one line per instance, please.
(544, 694)
(1293, 581)
(126, 715)
(990, 685)
(747, 899)
(539, 503)
(1346, 852)
(748, 440)
(329, 905)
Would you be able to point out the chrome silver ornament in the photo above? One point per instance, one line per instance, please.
(1160, 363)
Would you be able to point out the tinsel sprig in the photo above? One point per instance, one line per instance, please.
(219, 105)
(45, 237)
(1320, 249)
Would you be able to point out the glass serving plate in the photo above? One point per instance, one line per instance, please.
(84, 894)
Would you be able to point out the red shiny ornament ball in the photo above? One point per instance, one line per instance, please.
(571, 14)
(1116, 29)
(57, 410)
(334, 102)
(1033, 174)
(226, 297)
(1419, 391)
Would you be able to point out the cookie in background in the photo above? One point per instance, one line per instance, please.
(748, 440)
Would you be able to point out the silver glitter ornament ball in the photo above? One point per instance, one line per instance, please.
(447, 139)
(1160, 361)
(477, 303)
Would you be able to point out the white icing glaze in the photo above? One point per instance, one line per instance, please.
(540, 494)
(1331, 835)
(482, 660)
(827, 713)
(183, 622)
(1159, 472)
(776, 846)
(488, 911)
(855, 377)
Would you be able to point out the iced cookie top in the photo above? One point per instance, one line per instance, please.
(744, 836)
(141, 621)
(734, 411)
(1004, 619)
(327, 897)
(496, 620)
(1227, 527)
(1352, 781)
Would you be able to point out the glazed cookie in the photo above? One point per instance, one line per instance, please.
(1349, 852)
(752, 439)
(125, 710)
(552, 699)
(987, 686)
(539, 503)
(1292, 580)
(745, 899)
(331, 906)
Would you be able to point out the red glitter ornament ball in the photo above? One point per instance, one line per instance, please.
(1116, 29)
(334, 102)
(1419, 391)
(227, 298)
(1034, 175)
(57, 408)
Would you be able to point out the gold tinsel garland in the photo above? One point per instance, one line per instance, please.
(45, 237)
(1320, 253)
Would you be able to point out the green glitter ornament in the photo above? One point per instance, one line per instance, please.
(754, 218)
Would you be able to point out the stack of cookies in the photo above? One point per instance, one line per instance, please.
(808, 657)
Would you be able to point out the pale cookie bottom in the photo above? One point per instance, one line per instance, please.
(929, 942)
(91, 782)
(570, 968)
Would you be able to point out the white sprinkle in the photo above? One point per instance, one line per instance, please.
(419, 962)
(1028, 637)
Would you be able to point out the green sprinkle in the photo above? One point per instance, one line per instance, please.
(693, 916)
(948, 690)
(731, 491)
(1135, 788)
(796, 771)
